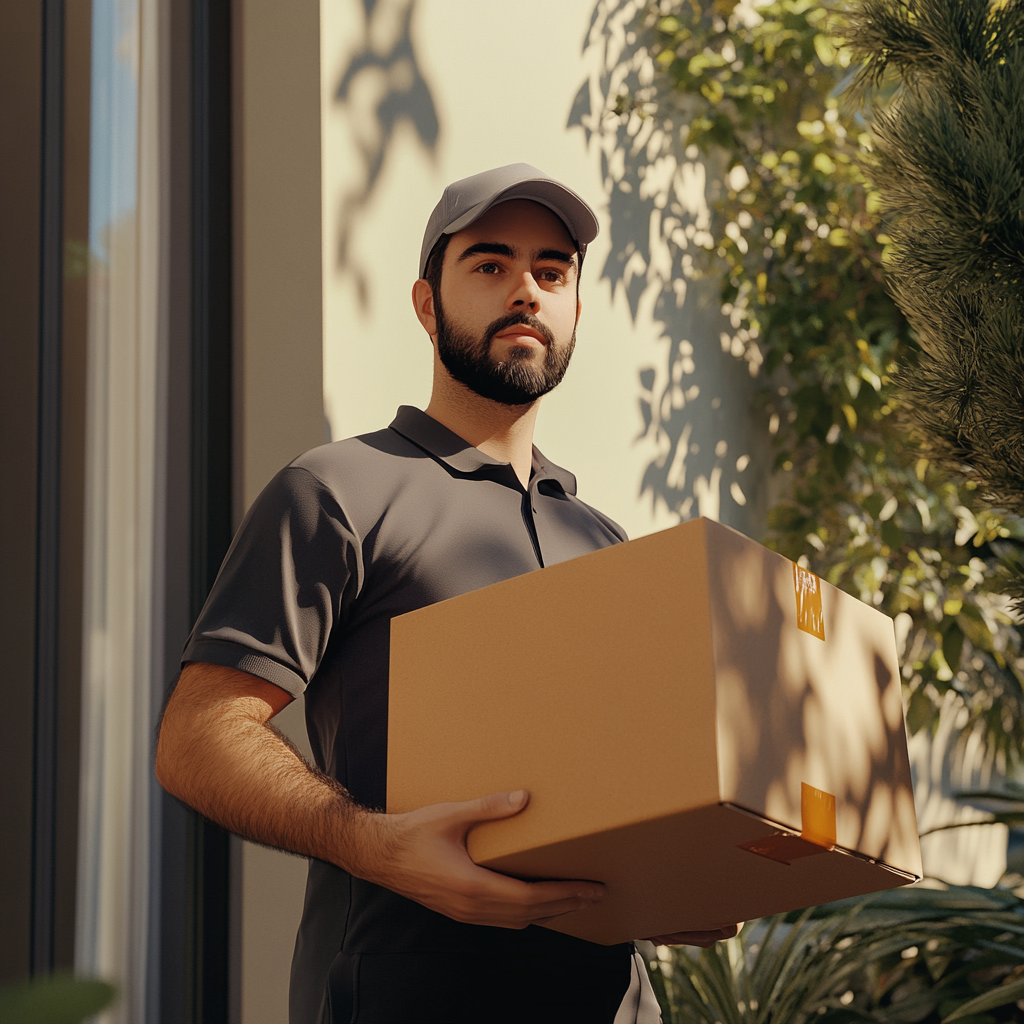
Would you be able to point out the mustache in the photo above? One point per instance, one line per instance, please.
(514, 319)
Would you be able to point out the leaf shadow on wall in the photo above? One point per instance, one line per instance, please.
(710, 448)
(381, 87)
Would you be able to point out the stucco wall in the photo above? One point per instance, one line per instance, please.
(422, 92)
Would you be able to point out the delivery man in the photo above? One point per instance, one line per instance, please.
(399, 924)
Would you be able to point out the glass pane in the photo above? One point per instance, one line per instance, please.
(120, 521)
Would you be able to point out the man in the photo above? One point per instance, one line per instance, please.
(399, 925)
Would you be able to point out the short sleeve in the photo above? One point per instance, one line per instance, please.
(282, 589)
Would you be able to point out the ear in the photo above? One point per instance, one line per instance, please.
(423, 304)
(579, 309)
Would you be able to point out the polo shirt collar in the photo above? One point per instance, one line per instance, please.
(426, 433)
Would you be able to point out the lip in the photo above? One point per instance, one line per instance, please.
(521, 331)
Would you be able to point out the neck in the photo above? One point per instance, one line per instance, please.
(505, 432)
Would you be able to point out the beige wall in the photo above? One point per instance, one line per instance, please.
(501, 80)
(278, 372)
(278, 376)
(942, 766)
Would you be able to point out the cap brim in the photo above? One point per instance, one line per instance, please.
(575, 214)
(562, 201)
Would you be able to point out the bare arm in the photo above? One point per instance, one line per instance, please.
(218, 753)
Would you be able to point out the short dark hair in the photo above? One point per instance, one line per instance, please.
(434, 263)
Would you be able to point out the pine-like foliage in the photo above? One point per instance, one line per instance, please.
(950, 167)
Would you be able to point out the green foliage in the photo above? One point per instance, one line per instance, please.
(908, 955)
(798, 240)
(54, 999)
(949, 164)
(1004, 806)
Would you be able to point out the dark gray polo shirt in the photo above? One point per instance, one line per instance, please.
(340, 541)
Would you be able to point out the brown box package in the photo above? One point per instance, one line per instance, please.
(705, 727)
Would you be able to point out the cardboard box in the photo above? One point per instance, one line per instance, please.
(705, 727)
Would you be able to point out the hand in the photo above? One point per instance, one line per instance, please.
(422, 855)
(703, 939)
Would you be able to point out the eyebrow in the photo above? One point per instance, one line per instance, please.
(488, 248)
(555, 254)
(501, 249)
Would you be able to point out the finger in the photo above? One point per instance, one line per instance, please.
(494, 886)
(492, 807)
(521, 904)
(542, 913)
(696, 938)
(684, 939)
(530, 901)
(555, 908)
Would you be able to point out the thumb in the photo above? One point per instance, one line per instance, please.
(495, 806)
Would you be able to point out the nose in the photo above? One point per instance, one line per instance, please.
(525, 293)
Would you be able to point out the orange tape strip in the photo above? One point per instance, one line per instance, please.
(782, 847)
(817, 816)
(807, 587)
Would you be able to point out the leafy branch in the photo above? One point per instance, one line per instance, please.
(800, 242)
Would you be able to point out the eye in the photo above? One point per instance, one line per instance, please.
(488, 268)
(551, 275)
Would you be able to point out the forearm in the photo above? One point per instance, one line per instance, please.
(218, 753)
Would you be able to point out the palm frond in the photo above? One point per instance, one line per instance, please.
(906, 955)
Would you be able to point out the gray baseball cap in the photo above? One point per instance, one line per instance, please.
(462, 202)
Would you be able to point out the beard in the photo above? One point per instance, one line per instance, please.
(513, 381)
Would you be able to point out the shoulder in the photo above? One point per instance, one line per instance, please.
(351, 482)
(609, 524)
(357, 469)
(333, 464)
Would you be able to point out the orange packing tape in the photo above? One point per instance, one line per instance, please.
(817, 830)
(817, 816)
(783, 847)
(807, 587)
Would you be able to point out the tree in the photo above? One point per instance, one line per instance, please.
(798, 240)
(949, 164)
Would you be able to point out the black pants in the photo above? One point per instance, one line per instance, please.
(476, 988)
